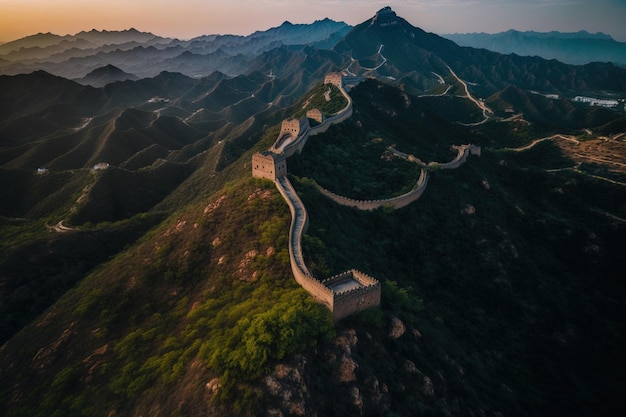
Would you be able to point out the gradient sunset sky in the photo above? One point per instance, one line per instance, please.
(185, 19)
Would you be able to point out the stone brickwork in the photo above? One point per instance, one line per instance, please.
(268, 165)
(363, 292)
(343, 294)
(463, 151)
(292, 137)
(294, 127)
(366, 291)
(335, 78)
(394, 202)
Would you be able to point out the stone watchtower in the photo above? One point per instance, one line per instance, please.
(294, 127)
(335, 78)
(315, 114)
(269, 165)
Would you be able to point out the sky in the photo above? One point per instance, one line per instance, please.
(185, 19)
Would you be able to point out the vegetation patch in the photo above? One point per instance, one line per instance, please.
(325, 97)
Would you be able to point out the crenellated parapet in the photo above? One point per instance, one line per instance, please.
(463, 151)
(343, 294)
(269, 165)
(334, 78)
(353, 291)
(393, 202)
(294, 127)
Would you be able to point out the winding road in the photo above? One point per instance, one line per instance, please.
(487, 112)
(536, 141)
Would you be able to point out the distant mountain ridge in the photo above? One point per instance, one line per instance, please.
(105, 75)
(408, 56)
(146, 55)
(575, 48)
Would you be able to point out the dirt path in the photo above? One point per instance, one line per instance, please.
(536, 141)
(487, 112)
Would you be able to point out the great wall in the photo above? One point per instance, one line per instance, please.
(351, 291)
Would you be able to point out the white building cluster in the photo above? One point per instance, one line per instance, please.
(597, 101)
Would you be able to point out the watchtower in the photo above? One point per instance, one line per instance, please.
(269, 165)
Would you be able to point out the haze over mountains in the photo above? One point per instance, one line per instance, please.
(144, 272)
(577, 48)
(146, 55)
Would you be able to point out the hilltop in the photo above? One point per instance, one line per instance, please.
(105, 75)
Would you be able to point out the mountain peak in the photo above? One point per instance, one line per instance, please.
(385, 17)
(102, 76)
(109, 68)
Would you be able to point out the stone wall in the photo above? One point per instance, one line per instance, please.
(268, 165)
(339, 117)
(394, 202)
(463, 152)
(299, 224)
(298, 144)
(356, 300)
(271, 165)
(294, 127)
(336, 119)
(334, 78)
(342, 304)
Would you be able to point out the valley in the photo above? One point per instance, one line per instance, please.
(164, 284)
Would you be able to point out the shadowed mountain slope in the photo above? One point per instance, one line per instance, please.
(105, 75)
(146, 55)
(413, 55)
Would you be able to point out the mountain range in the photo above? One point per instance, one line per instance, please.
(144, 271)
(146, 55)
(577, 48)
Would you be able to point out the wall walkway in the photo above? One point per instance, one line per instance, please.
(394, 202)
(463, 151)
(346, 293)
(352, 291)
(343, 294)
(297, 144)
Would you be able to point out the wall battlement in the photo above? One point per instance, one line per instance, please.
(346, 293)
(268, 165)
(463, 151)
(351, 291)
(364, 294)
(394, 202)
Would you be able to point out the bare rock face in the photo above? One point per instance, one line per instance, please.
(288, 388)
(346, 341)
(357, 398)
(410, 367)
(214, 385)
(469, 209)
(46, 355)
(346, 372)
(427, 388)
(397, 328)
